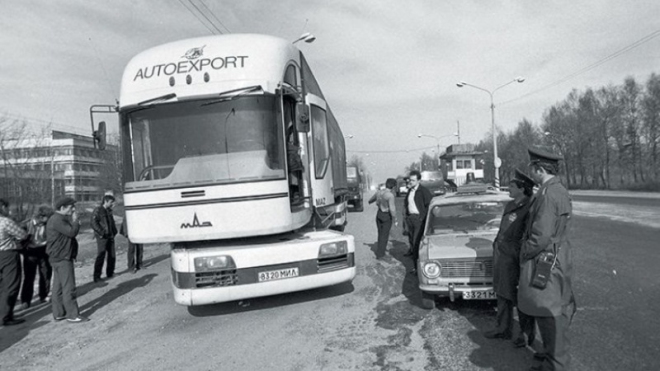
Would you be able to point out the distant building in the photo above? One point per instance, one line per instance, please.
(458, 161)
(62, 164)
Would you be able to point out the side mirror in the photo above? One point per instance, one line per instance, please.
(302, 118)
(99, 136)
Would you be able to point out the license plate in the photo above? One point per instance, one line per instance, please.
(278, 274)
(479, 295)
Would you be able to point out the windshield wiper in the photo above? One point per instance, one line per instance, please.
(150, 103)
(158, 99)
(231, 94)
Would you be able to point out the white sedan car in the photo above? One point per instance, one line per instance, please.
(456, 252)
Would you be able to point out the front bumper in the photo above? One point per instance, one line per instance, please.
(455, 290)
(213, 295)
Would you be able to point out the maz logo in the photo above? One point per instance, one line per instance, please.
(194, 53)
(196, 223)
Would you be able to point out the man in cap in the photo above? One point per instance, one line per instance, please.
(544, 291)
(10, 265)
(62, 249)
(506, 260)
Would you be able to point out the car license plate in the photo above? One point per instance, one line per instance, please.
(278, 274)
(479, 295)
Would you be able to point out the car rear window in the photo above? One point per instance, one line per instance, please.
(465, 217)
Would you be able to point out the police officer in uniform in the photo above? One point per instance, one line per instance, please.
(506, 259)
(544, 292)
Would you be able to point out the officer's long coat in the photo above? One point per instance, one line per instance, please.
(506, 248)
(547, 230)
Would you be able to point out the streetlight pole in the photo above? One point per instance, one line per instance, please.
(496, 160)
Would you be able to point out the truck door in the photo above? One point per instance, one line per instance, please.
(321, 167)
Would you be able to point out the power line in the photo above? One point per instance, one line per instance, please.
(590, 67)
(196, 16)
(213, 14)
(395, 151)
(205, 17)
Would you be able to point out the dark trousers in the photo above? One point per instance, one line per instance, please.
(527, 325)
(505, 319)
(504, 315)
(35, 260)
(10, 282)
(105, 247)
(554, 333)
(415, 225)
(134, 255)
(383, 225)
(64, 290)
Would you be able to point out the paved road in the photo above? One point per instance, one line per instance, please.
(375, 323)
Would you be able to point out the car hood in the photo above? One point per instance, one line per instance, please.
(460, 246)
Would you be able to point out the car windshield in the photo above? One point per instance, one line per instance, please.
(465, 217)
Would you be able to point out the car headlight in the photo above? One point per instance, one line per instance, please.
(333, 249)
(212, 263)
(432, 269)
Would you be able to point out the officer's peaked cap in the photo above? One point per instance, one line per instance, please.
(537, 155)
(523, 178)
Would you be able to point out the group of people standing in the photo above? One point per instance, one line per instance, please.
(532, 262)
(49, 247)
(415, 207)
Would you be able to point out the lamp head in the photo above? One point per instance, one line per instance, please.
(461, 84)
(520, 79)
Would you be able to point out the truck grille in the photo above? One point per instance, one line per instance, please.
(216, 279)
(333, 263)
(466, 268)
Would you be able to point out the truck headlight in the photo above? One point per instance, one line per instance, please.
(432, 269)
(212, 263)
(333, 249)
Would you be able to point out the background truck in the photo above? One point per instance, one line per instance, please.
(355, 196)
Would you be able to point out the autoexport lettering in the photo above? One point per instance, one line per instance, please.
(191, 65)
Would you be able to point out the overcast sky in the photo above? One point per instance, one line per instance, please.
(387, 68)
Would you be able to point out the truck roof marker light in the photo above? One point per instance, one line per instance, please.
(207, 77)
(172, 81)
(188, 79)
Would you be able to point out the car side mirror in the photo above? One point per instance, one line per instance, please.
(99, 136)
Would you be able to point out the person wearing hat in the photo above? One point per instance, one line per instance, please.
(544, 291)
(10, 265)
(62, 249)
(506, 260)
(35, 258)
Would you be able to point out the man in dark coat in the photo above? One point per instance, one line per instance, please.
(62, 249)
(35, 258)
(103, 224)
(506, 258)
(415, 207)
(545, 292)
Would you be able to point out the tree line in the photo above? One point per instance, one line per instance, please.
(609, 138)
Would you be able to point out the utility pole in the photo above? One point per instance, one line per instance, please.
(458, 131)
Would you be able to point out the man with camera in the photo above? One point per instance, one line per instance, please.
(545, 295)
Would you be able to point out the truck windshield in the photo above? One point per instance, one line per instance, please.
(187, 143)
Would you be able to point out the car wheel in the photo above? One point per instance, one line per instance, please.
(428, 300)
